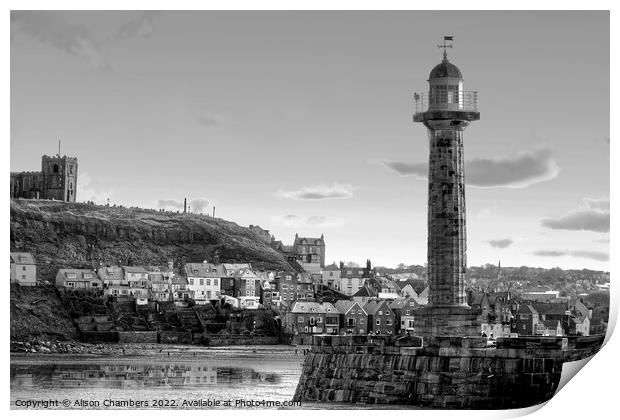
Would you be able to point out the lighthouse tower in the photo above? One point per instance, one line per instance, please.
(446, 110)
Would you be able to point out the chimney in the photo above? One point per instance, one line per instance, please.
(213, 211)
(185, 205)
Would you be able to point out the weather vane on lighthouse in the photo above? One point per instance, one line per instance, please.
(444, 46)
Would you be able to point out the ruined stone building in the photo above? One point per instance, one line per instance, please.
(57, 180)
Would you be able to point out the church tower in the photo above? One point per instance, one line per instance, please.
(59, 177)
(446, 110)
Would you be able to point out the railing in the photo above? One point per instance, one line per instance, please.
(446, 100)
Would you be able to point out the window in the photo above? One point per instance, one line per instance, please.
(380, 312)
(378, 322)
(23, 277)
(362, 321)
(71, 276)
(284, 286)
(208, 282)
(208, 294)
(202, 282)
(300, 319)
(195, 272)
(319, 320)
(191, 281)
(215, 282)
(407, 312)
(389, 322)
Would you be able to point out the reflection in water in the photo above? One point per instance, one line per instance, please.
(124, 375)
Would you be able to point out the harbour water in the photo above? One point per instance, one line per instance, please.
(174, 377)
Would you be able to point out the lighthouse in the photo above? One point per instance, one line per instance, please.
(446, 109)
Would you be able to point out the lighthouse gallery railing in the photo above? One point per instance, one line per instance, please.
(463, 101)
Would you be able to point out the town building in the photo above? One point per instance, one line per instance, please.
(57, 180)
(78, 279)
(353, 317)
(23, 269)
(310, 250)
(180, 290)
(525, 320)
(309, 318)
(204, 281)
(352, 279)
(404, 308)
(331, 276)
(381, 319)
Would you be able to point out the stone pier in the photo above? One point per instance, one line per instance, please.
(438, 372)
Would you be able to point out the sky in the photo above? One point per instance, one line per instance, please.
(301, 122)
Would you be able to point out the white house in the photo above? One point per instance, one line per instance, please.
(204, 280)
(23, 269)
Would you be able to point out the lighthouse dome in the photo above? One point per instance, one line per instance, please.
(445, 69)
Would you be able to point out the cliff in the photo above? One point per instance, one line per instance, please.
(61, 234)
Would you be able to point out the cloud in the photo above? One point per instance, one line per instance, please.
(592, 215)
(319, 192)
(518, 171)
(593, 255)
(419, 170)
(602, 241)
(89, 190)
(140, 27)
(293, 220)
(208, 119)
(501, 243)
(196, 205)
(52, 29)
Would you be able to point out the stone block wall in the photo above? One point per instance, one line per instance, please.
(137, 336)
(444, 372)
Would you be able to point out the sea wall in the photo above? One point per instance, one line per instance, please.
(137, 336)
(241, 340)
(436, 372)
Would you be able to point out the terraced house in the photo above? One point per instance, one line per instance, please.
(381, 319)
(353, 317)
(308, 318)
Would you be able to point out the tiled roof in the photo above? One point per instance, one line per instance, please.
(134, 269)
(344, 305)
(111, 273)
(79, 272)
(373, 306)
(550, 308)
(22, 258)
(365, 291)
(179, 279)
(308, 241)
(200, 270)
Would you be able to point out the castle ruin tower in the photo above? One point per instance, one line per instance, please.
(446, 110)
